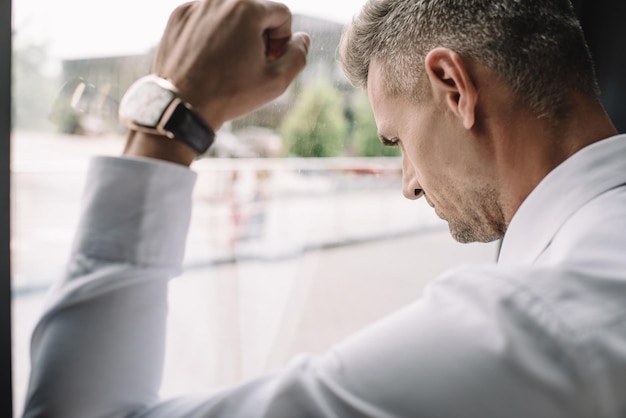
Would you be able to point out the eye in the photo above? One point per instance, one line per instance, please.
(390, 142)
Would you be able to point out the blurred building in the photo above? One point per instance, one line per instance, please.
(105, 80)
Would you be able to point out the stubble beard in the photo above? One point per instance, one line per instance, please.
(482, 219)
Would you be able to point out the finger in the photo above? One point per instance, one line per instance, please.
(275, 48)
(293, 60)
(277, 20)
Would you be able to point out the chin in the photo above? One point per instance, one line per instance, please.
(466, 234)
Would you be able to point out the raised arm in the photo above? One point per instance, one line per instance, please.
(98, 348)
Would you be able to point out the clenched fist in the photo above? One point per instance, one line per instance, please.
(225, 58)
(228, 57)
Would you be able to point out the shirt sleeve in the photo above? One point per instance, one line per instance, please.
(99, 345)
(474, 346)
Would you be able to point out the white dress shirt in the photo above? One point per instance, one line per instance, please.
(540, 335)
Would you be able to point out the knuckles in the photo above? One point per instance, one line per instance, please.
(181, 12)
(259, 78)
(245, 9)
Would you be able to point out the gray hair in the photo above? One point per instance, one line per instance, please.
(536, 46)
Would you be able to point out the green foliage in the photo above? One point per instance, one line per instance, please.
(33, 90)
(365, 134)
(316, 125)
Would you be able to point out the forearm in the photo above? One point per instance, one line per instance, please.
(100, 342)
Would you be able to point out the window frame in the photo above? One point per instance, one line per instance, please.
(6, 389)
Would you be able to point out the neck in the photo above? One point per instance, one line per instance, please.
(533, 147)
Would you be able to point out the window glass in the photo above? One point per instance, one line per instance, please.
(300, 234)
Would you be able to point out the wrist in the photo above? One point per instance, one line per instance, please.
(153, 106)
(143, 144)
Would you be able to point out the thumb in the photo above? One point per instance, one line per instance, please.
(293, 59)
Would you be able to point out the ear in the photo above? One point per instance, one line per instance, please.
(451, 82)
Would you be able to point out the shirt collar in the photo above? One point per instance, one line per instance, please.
(588, 173)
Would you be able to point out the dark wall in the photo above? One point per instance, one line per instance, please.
(5, 267)
(604, 24)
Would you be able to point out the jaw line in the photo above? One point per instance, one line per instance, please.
(428, 200)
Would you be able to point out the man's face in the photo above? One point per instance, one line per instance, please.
(440, 160)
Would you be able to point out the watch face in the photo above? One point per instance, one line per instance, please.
(144, 103)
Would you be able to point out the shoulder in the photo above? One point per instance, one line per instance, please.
(593, 239)
(480, 336)
(512, 302)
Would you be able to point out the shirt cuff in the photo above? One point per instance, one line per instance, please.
(135, 210)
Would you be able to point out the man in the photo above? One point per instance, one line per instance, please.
(494, 106)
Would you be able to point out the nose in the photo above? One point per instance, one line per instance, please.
(411, 188)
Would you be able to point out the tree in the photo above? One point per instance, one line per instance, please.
(316, 125)
(365, 134)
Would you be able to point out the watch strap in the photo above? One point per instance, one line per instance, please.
(188, 127)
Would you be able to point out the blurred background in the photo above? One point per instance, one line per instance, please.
(300, 235)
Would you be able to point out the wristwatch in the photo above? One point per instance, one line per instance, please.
(152, 105)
